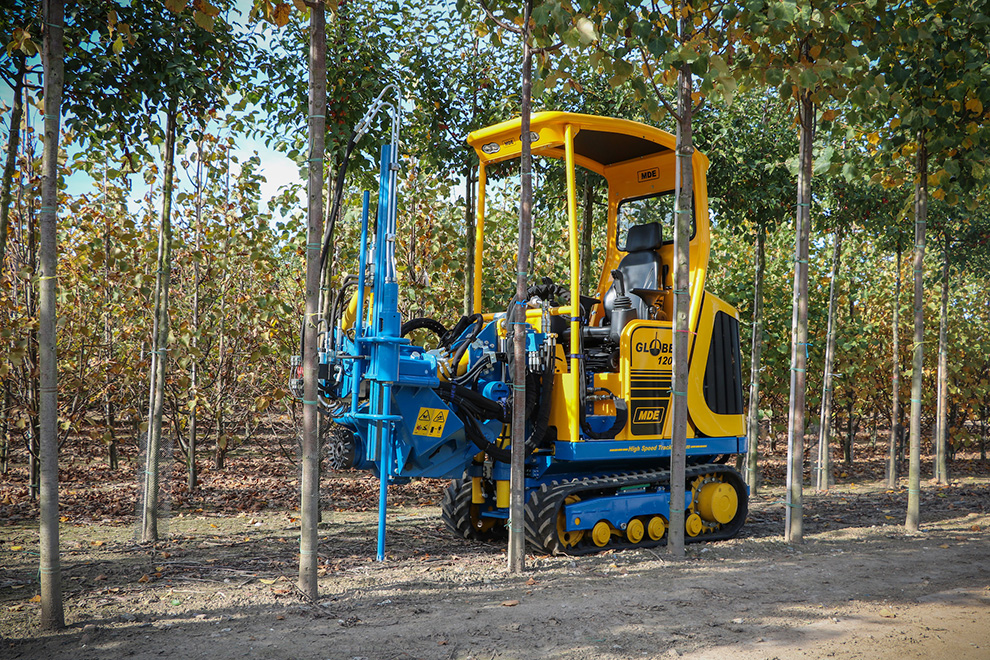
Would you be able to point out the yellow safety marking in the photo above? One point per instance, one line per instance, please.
(430, 422)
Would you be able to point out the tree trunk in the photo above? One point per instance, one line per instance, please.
(917, 363)
(587, 225)
(895, 409)
(109, 412)
(873, 430)
(159, 353)
(192, 476)
(13, 146)
(753, 416)
(824, 457)
(684, 203)
(517, 495)
(310, 485)
(52, 615)
(852, 425)
(220, 451)
(470, 232)
(983, 432)
(941, 433)
(799, 331)
(5, 429)
(33, 394)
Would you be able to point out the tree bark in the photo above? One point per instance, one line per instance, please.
(33, 385)
(683, 207)
(192, 476)
(799, 331)
(824, 458)
(895, 407)
(917, 364)
(517, 494)
(586, 233)
(941, 458)
(310, 484)
(469, 237)
(159, 352)
(13, 147)
(753, 416)
(52, 615)
(109, 413)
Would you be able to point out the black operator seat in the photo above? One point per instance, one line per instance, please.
(641, 267)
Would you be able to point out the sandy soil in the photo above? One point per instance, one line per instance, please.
(223, 587)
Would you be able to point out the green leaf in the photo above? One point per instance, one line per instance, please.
(203, 20)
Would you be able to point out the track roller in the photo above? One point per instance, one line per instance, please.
(635, 530)
(656, 528)
(601, 533)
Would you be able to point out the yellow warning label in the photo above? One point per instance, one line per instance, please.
(430, 422)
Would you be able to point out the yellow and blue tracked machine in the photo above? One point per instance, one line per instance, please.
(598, 422)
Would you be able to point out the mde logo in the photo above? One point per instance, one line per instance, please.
(646, 415)
(651, 174)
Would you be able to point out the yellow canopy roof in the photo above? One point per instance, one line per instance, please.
(599, 142)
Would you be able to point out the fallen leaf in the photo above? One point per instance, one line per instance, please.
(100, 577)
(35, 599)
(267, 581)
(530, 582)
(887, 614)
(944, 546)
(17, 547)
(509, 603)
(280, 617)
(96, 544)
(159, 568)
(976, 528)
(442, 642)
(144, 578)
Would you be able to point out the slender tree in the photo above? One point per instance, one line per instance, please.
(160, 332)
(753, 414)
(793, 523)
(13, 147)
(309, 489)
(896, 431)
(53, 56)
(917, 350)
(941, 432)
(932, 114)
(824, 457)
(808, 55)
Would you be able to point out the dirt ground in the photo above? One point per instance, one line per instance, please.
(222, 586)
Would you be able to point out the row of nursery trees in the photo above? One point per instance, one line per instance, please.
(173, 298)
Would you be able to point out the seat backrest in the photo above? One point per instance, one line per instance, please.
(641, 267)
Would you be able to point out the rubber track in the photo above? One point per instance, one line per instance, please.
(545, 503)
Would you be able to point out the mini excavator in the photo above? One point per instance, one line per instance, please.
(598, 391)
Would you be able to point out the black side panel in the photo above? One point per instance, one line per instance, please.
(723, 372)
